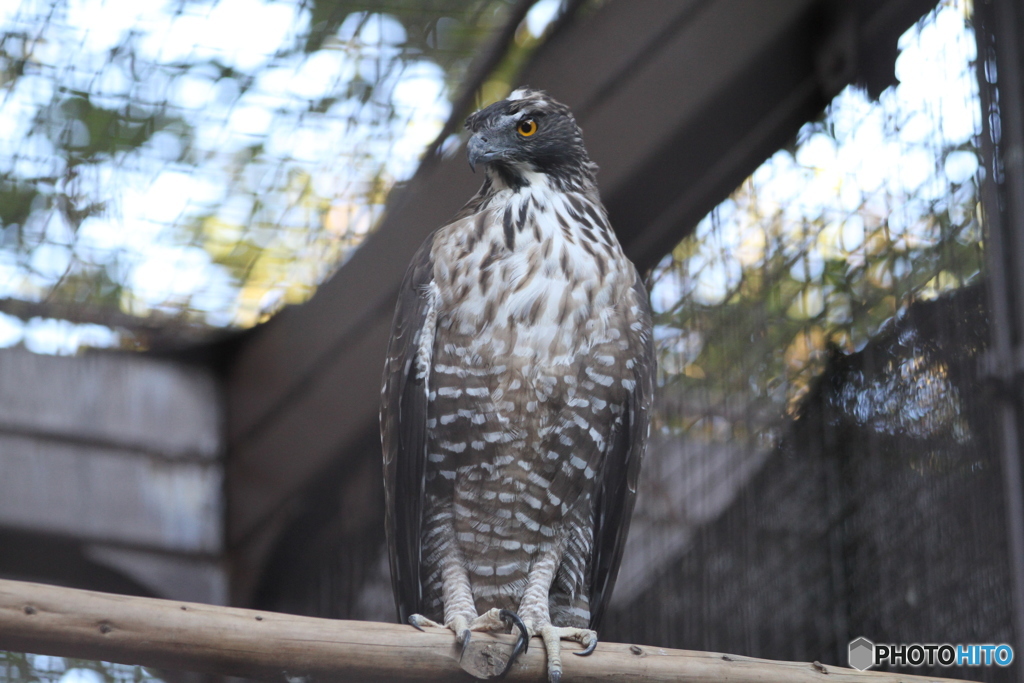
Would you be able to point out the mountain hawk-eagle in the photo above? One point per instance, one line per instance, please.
(516, 394)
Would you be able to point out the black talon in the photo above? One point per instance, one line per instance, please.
(464, 639)
(510, 618)
(412, 622)
(589, 650)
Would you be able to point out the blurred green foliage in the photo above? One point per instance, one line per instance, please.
(208, 162)
(872, 207)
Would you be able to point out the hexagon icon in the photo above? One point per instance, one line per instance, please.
(862, 654)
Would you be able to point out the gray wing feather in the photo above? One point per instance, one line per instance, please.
(621, 471)
(403, 424)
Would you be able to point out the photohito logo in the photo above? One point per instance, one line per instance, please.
(864, 654)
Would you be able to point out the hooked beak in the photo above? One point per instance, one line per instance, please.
(480, 151)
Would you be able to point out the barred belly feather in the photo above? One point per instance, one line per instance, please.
(519, 412)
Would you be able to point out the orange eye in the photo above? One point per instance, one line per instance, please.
(527, 127)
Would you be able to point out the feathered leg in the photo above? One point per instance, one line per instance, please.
(456, 593)
(534, 611)
(459, 607)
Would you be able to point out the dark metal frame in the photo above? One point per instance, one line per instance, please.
(998, 30)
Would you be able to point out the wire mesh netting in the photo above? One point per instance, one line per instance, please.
(823, 465)
(174, 167)
(16, 666)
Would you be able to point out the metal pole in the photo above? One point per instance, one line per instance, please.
(1002, 196)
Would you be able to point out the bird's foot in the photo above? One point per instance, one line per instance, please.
(458, 624)
(419, 621)
(488, 621)
(496, 619)
(492, 620)
(553, 637)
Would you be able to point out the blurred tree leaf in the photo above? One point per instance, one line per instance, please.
(87, 131)
(16, 202)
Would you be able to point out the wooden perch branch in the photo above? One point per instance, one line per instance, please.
(239, 642)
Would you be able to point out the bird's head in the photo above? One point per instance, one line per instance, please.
(529, 133)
